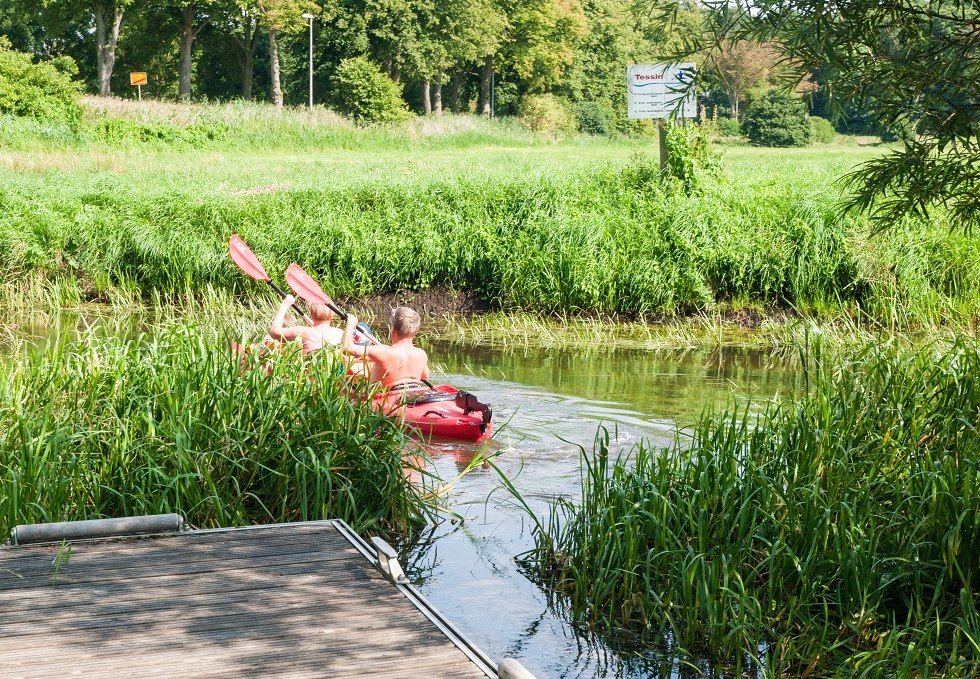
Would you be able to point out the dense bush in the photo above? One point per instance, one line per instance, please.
(595, 117)
(729, 127)
(821, 130)
(777, 119)
(44, 92)
(547, 113)
(363, 92)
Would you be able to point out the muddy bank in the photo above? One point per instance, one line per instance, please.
(431, 302)
(443, 301)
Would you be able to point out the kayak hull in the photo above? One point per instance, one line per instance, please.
(443, 418)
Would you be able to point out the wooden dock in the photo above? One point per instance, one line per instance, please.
(292, 600)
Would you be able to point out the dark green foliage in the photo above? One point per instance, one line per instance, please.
(367, 95)
(690, 158)
(839, 530)
(172, 423)
(43, 92)
(729, 127)
(777, 119)
(821, 130)
(595, 117)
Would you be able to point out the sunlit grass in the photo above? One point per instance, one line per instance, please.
(168, 421)
(579, 227)
(835, 535)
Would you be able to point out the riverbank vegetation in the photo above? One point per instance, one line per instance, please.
(122, 425)
(833, 535)
(579, 227)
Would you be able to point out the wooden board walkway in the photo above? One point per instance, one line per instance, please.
(295, 600)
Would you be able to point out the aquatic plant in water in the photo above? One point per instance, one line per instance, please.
(835, 535)
(169, 421)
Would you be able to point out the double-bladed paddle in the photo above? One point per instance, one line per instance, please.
(307, 289)
(245, 259)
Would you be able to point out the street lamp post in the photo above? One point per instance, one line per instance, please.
(309, 17)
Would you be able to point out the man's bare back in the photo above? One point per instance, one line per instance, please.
(401, 362)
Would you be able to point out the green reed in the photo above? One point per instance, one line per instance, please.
(837, 535)
(596, 240)
(170, 422)
(577, 227)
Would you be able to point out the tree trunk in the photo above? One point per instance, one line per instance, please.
(733, 102)
(486, 73)
(246, 54)
(274, 62)
(426, 102)
(454, 84)
(106, 37)
(248, 75)
(186, 45)
(437, 95)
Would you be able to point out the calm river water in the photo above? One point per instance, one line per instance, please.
(553, 402)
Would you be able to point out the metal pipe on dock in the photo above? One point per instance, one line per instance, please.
(95, 528)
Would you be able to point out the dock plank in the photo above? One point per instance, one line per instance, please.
(281, 602)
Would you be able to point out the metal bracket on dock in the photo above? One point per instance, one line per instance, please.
(511, 669)
(388, 561)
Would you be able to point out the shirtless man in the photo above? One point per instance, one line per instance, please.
(401, 364)
(314, 337)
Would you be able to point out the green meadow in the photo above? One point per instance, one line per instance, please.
(142, 201)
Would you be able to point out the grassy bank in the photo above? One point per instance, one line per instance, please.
(578, 227)
(836, 535)
(106, 426)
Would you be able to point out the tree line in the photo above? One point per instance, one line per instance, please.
(458, 55)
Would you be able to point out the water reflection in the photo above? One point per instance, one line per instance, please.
(550, 404)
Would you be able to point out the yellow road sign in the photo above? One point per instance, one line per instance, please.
(138, 78)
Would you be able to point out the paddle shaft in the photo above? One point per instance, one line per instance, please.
(283, 295)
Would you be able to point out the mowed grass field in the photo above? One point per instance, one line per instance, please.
(143, 202)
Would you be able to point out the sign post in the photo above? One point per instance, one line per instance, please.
(138, 79)
(655, 91)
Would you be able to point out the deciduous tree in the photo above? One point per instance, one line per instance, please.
(194, 15)
(740, 67)
(282, 16)
(912, 64)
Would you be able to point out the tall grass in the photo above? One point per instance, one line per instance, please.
(125, 124)
(569, 228)
(599, 241)
(167, 422)
(838, 535)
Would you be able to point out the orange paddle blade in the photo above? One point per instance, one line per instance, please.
(305, 287)
(245, 259)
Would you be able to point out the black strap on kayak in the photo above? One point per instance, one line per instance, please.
(469, 403)
(464, 400)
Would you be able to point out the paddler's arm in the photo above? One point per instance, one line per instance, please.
(359, 350)
(276, 329)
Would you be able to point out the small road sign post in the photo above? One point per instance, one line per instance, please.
(138, 79)
(655, 91)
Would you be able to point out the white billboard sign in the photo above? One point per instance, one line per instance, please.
(655, 90)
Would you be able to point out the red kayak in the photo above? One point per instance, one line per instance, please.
(442, 411)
